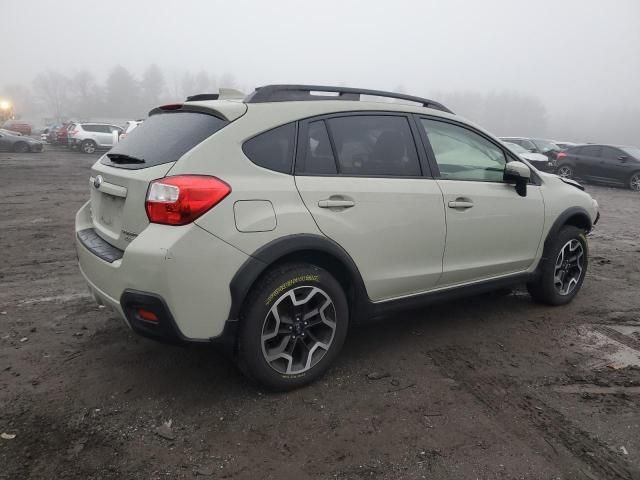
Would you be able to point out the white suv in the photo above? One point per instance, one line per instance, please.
(271, 222)
(89, 137)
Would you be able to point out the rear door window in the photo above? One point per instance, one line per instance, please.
(591, 151)
(318, 156)
(374, 145)
(273, 149)
(611, 154)
(163, 138)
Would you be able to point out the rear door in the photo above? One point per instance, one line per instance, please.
(119, 180)
(361, 178)
(491, 230)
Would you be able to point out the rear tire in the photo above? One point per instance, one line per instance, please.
(562, 269)
(88, 146)
(634, 182)
(293, 326)
(20, 147)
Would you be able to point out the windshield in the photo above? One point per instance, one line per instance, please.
(516, 148)
(546, 146)
(633, 151)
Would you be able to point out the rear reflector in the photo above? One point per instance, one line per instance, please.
(181, 199)
(147, 315)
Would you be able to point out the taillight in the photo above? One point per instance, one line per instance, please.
(181, 199)
(560, 155)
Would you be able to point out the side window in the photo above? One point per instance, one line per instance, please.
(318, 158)
(591, 151)
(375, 145)
(89, 128)
(529, 145)
(611, 154)
(272, 149)
(464, 155)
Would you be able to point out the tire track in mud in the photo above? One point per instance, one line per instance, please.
(518, 411)
(618, 337)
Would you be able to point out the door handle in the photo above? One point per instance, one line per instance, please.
(333, 203)
(461, 204)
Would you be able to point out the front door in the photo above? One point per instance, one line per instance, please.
(491, 230)
(361, 179)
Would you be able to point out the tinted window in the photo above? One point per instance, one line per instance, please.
(318, 156)
(591, 151)
(464, 155)
(88, 128)
(546, 146)
(610, 153)
(374, 145)
(165, 137)
(272, 149)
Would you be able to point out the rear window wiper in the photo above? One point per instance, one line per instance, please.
(124, 158)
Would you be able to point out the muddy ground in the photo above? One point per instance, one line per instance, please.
(490, 387)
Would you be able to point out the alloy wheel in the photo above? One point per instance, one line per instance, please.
(88, 147)
(569, 267)
(565, 172)
(298, 330)
(634, 182)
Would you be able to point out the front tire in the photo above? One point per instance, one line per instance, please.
(634, 182)
(20, 147)
(293, 326)
(562, 269)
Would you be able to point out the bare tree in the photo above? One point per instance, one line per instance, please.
(52, 88)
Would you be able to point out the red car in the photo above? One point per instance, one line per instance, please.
(17, 126)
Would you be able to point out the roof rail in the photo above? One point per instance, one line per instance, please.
(291, 93)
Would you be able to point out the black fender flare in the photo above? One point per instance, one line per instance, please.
(563, 220)
(279, 248)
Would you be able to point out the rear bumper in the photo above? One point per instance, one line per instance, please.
(183, 272)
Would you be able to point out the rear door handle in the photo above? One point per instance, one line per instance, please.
(461, 204)
(330, 203)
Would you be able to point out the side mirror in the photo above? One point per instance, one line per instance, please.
(519, 174)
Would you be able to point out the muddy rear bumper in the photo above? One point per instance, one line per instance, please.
(188, 268)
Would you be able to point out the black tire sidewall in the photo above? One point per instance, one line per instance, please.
(267, 291)
(544, 288)
(85, 143)
(20, 147)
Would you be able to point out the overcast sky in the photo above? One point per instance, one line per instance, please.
(568, 51)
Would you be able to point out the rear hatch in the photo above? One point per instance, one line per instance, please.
(120, 179)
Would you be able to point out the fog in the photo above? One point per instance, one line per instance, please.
(566, 70)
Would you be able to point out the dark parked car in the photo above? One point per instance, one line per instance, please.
(610, 164)
(15, 142)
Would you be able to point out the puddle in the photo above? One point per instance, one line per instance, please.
(613, 346)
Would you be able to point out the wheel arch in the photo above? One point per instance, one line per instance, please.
(308, 248)
(576, 216)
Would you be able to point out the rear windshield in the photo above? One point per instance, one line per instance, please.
(162, 138)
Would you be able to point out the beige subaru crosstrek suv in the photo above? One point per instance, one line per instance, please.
(269, 223)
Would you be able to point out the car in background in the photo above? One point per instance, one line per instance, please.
(17, 126)
(536, 145)
(538, 160)
(607, 164)
(15, 142)
(89, 137)
(564, 145)
(129, 127)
